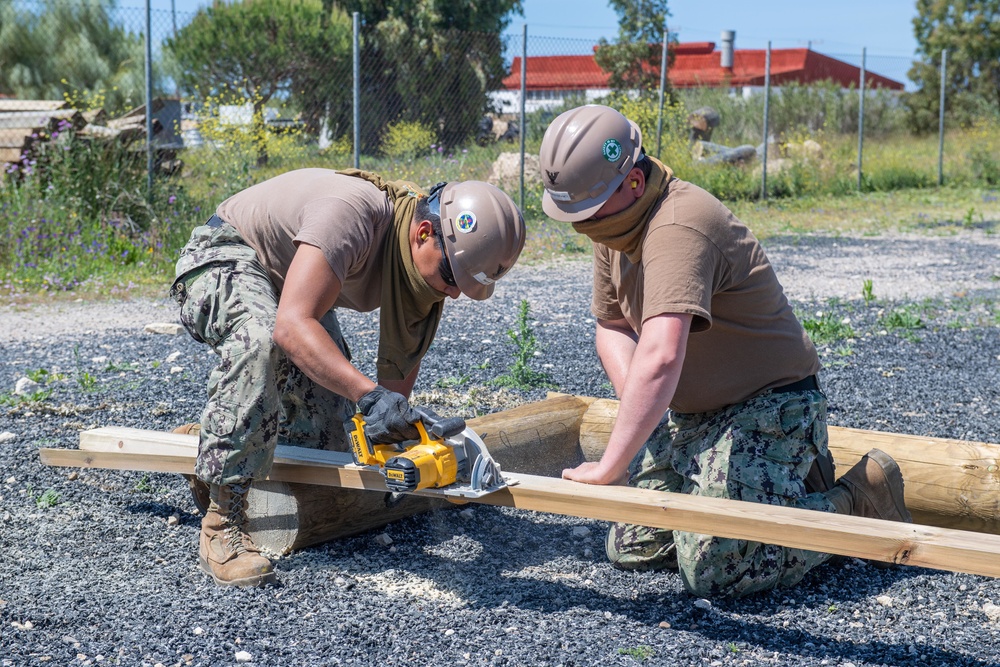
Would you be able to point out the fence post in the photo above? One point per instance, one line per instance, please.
(357, 89)
(767, 110)
(524, 90)
(177, 85)
(944, 72)
(149, 103)
(663, 86)
(861, 114)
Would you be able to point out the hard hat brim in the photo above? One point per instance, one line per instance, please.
(474, 289)
(581, 210)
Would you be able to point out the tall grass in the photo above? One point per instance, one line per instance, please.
(76, 216)
(77, 209)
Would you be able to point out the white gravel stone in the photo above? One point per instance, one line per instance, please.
(25, 386)
(165, 328)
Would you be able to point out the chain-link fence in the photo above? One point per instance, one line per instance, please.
(444, 105)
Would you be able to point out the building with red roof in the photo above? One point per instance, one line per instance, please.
(551, 79)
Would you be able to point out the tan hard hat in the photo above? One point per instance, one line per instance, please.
(586, 154)
(483, 234)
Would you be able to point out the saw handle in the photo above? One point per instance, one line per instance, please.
(441, 427)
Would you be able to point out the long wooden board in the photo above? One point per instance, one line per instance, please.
(539, 438)
(948, 483)
(927, 546)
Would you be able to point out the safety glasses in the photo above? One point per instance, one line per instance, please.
(434, 204)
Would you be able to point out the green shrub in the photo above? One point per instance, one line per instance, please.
(825, 328)
(895, 177)
(725, 181)
(520, 375)
(984, 152)
(407, 139)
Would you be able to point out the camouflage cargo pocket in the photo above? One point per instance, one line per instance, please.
(221, 419)
(212, 306)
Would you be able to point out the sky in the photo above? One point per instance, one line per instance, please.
(884, 27)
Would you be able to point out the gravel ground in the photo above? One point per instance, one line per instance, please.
(100, 567)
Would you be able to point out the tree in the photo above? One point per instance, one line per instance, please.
(634, 61)
(71, 49)
(970, 31)
(431, 62)
(297, 50)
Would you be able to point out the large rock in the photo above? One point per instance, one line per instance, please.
(506, 171)
(807, 151)
(706, 151)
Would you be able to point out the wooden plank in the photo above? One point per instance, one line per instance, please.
(538, 438)
(948, 483)
(40, 119)
(31, 105)
(15, 138)
(939, 548)
(10, 154)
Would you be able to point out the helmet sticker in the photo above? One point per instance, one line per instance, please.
(483, 279)
(560, 196)
(612, 150)
(466, 221)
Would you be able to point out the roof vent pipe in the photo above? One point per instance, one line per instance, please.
(727, 38)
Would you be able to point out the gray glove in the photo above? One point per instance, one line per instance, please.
(389, 419)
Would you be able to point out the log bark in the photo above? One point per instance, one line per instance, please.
(948, 483)
(538, 438)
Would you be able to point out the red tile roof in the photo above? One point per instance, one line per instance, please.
(697, 64)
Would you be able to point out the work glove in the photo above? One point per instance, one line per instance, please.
(389, 419)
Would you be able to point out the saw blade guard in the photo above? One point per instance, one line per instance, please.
(478, 474)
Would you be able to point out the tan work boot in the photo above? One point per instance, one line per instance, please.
(226, 550)
(199, 489)
(188, 429)
(873, 488)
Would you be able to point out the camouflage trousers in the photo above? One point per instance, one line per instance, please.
(256, 397)
(759, 451)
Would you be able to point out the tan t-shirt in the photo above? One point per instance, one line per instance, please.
(345, 217)
(698, 258)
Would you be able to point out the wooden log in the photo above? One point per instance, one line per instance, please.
(539, 438)
(951, 483)
(284, 516)
(948, 483)
(907, 544)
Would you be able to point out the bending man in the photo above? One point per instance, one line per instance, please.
(691, 317)
(261, 281)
